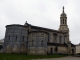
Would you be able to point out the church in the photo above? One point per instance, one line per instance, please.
(36, 40)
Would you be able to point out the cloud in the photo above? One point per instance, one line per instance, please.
(44, 13)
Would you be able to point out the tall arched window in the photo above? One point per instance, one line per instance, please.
(60, 38)
(16, 37)
(55, 37)
(9, 37)
(23, 38)
(32, 43)
(63, 21)
(41, 42)
(48, 37)
(64, 39)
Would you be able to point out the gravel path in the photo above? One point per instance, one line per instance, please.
(63, 58)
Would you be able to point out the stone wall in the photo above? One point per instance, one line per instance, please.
(62, 50)
(59, 50)
(37, 51)
(24, 39)
(37, 43)
(15, 36)
(77, 49)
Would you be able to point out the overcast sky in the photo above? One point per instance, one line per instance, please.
(43, 13)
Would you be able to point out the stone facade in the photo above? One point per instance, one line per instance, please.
(38, 40)
(78, 48)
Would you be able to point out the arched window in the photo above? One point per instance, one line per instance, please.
(23, 38)
(60, 38)
(41, 42)
(9, 37)
(64, 39)
(16, 37)
(48, 38)
(55, 37)
(63, 21)
(32, 43)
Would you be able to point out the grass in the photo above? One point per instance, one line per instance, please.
(25, 57)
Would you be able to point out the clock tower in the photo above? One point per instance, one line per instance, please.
(63, 22)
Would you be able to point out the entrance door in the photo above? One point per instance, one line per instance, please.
(72, 51)
(56, 49)
(51, 50)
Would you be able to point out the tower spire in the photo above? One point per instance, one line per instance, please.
(63, 9)
(63, 21)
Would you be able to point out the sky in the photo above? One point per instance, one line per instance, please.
(43, 13)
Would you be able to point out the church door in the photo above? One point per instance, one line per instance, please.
(51, 50)
(56, 49)
(72, 51)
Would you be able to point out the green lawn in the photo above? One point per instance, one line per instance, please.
(25, 57)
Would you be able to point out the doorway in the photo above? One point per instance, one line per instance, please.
(56, 49)
(72, 51)
(51, 50)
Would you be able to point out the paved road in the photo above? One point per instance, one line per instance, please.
(63, 58)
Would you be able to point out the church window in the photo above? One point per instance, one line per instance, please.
(16, 38)
(55, 38)
(9, 37)
(48, 38)
(32, 43)
(23, 38)
(60, 38)
(64, 39)
(41, 42)
(63, 21)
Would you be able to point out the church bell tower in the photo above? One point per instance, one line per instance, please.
(64, 28)
(63, 22)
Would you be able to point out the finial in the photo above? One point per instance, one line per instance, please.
(26, 21)
(63, 9)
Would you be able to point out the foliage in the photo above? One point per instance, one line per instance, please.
(25, 56)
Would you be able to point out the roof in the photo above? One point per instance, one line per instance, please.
(47, 29)
(36, 27)
(78, 44)
(57, 44)
(15, 25)
(72, 45)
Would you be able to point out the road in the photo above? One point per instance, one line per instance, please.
(63, 58)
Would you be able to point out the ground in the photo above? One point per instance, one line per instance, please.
(63, 58)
